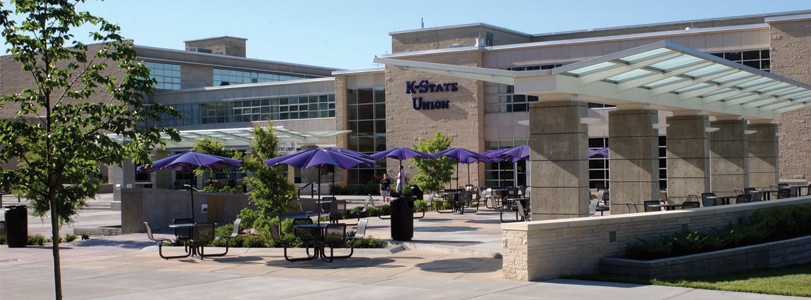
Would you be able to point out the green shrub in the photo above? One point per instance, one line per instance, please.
(765, 225)
(368, 242)
(37, 239)
(232, 190)
(2, 239)
(85, 236)
(70, 237)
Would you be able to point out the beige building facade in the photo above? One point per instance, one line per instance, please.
(215, 86)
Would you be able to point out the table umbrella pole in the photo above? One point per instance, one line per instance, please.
(468, 174)
(457, 174)
(191, 192)
(318, 209)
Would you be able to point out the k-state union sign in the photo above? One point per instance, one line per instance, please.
(425, 87)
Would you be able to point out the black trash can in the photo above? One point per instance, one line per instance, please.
(402, 219)
(16, 225)
(416, 192)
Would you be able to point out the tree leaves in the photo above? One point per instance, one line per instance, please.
(434, 173)
(83, 111)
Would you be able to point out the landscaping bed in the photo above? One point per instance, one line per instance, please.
(762, 256)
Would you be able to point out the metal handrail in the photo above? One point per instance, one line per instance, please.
(311, 184)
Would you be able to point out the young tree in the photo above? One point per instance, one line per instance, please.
(433, 173)
(268, 187)
(62, 131)
(209, 146)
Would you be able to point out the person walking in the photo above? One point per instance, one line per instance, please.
(385, 187)
(402, 180)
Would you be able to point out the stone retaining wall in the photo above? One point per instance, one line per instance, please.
(764, 256)
(548, 249)
(160, 206)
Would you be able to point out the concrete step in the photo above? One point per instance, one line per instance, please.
(97, 206)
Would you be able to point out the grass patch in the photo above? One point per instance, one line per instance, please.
(787, 281)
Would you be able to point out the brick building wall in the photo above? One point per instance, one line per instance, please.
(462, 120)
(791, 57)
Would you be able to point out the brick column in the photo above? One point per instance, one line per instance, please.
(728, 156)
(558, 161)
(633, 157)
(764, 159)
(688, 156)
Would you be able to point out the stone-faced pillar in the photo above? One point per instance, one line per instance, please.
(558, 160)
(161, 179)
(764, 159)
(633, 158)
(728, 156)
(688, 156)
(122, 177)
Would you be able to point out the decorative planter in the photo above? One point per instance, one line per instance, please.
(762, 256)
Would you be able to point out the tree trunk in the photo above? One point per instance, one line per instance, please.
(55, 243)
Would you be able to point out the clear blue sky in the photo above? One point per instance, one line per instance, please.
(347, 34)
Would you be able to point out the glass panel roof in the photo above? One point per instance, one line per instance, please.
(739, 96)
(678, 62)
(663, 82)
(645, 55)
(733, 76)
(755, 82)
(773, 87)
(692, 87)
(595, 67)
(718, 92)
(789, 92)
(636, 73)
(707, 70)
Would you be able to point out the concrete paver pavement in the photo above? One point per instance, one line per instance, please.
(451, 257)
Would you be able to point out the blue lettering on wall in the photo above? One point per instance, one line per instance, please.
(418, 104)
(425, 86)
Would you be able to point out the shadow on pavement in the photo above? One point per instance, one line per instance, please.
(237, 259)
(445, 229)
(113, 243)
(594, 283)
(462, 265)
(343, 263)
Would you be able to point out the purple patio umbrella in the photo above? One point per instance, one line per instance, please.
(461, 155)
(347, 152)
(318, 158)
(188, 161)
(513, 154)
(602, 152)
(400, 153)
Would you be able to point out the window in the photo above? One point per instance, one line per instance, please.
(501, 98)
(598, 166)
(758, 59)
(166, 75)
(505, 173)
(228, 77)
(366, 113)
(488, 39)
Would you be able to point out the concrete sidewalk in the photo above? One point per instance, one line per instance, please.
(451, 257)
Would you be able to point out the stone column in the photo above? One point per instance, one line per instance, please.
(728, 156)
(764, 159)
(558, 162)
(633, 158)
(122, 177)
(688, 156)
(161, 179)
